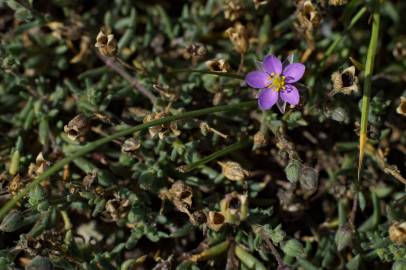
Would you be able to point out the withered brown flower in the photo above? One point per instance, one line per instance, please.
(76, 127)
(215, 220)
(238, 36)
(345, 82)
(233, 171)
(218, 65)
(401, 109)
(397, 233)
(106, 44)
(233, 9)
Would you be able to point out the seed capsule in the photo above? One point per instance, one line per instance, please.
(76, 127)
(106, 44)
(233, 171)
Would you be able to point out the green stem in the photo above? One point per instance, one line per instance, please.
(215, 155)
(93, 145)
(224, 74)
(369, 66)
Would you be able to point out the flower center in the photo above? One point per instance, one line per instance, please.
(277, 82)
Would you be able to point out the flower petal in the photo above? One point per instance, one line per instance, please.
(257, 79)
(272, 64)
(267, 98)
(293, 72)
(290, 95)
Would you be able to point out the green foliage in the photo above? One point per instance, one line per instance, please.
(169, 146)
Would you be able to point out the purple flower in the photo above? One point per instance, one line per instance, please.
(276, 83)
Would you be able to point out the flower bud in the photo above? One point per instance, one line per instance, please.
(343, 237)
(76, 127)
(12, 221)
(292, 170)
(397, 233)
(40, 263)
(234, 207)
(293, 248)
(215, 220)
(233, 171)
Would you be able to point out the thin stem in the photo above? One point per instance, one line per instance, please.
(224, 74)
(113, 64)
(215, 155)
(93, 145)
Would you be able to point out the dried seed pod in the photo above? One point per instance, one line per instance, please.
(163, 129)
(76, 127)
(218, 65)
(337, 2)
(397, 233)
(182, 192)
(198, 217)
(238, 36)
(233, 171)
(234, 207)
(117, 208)
(308, 15)
(106, 44)
(345, 82)
(260, 140)
(215, 220)
(130, 146)
(233, 9)
(15, 185)
(39, 166)
(89, 179)
(195, 50)
(401, 109)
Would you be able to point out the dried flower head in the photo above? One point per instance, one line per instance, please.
(258, 3)
(338, 2)
(130, 146)
(234, 207)
(106, 44)
(76, 127)
(182, 192)
(233, 171)
(276, 83)
(308, 15)
(116, 208)
(238, 36)
(260, 140)
(397, 233)
(15, 185)
(215, 220)
(38, 167)
(345, 82)
(163, 129)
(218, 65)
(401, 109)
(233, 9)
(195, 51)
